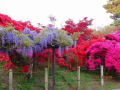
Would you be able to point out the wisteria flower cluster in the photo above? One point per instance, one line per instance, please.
(53, 37)
(12, 39)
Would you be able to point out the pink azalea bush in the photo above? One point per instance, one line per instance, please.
(112, 58)
(105, 53)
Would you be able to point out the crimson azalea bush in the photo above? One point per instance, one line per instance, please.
(8, 64)
(5, 21)
(82, 27)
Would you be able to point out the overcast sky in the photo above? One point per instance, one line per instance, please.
(38, 11)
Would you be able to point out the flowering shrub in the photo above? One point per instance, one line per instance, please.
(105, 53)
(96, 54)
(82, 28)
(71, 27)
(5, 21)
(8, 64)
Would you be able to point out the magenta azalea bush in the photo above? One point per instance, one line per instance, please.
(105, 53)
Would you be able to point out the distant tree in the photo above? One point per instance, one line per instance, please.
(113, 7)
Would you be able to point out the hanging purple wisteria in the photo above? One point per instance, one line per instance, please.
(53, 37)
(12, 39)
(16, 44)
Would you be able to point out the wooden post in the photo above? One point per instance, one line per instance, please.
(53, 70)
(34, 61)
(102, 76)
(10, 79)
(34, 64)
(78, 79)
(46, 79)
(31, 70)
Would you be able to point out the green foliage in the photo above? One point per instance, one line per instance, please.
(64, 80)
(43, 33)
(8, 29)
(63, 39)
(117, 22)
(105, 30)
(75, 35)
(24, 39)
(113, 7)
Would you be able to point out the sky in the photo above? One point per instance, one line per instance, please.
(38, 11)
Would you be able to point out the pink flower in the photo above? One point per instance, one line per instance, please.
(91, 66)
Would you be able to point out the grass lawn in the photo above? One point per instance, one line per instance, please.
(65, 80)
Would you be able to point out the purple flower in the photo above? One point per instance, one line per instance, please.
(37, 49)
(3, 40)
(28, 51)
(75, 43)
(1, 28)
(60, 51)
(26, 31)
(66, 48)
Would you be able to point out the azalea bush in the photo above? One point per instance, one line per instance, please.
(105, 53)
(80, 27)
(5, 20)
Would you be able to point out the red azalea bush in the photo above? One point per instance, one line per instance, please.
(8, 64)
(43, 56)
(5, 58)
(82, 27)
(5, 20)
(71, 27)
